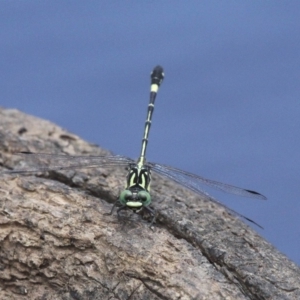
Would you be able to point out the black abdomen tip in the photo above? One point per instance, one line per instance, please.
(157, 75)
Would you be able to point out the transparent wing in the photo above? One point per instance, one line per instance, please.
(193, 182)
(43, 162)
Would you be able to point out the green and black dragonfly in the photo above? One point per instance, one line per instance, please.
(136, 195)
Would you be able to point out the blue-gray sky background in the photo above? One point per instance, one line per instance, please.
(228, 109)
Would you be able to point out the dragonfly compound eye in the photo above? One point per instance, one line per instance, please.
(144, 197)
(125, 196)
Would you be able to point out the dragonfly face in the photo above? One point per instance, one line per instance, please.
(135, 199)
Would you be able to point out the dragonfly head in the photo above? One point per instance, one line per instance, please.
(135, 199)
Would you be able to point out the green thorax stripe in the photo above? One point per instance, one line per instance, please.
(139, 178)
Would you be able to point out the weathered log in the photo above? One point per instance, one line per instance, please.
(57, 241)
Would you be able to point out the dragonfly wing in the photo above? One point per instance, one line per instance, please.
(182, 178)
(43, 162)
(194, 182)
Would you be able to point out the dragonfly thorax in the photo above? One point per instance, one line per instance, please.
(138, 177)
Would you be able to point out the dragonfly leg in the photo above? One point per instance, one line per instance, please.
(119, 209)
(153, 213)
(112, 209)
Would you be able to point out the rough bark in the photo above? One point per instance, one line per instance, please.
(58, 243)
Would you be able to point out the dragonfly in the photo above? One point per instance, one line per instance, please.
(136, 194)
